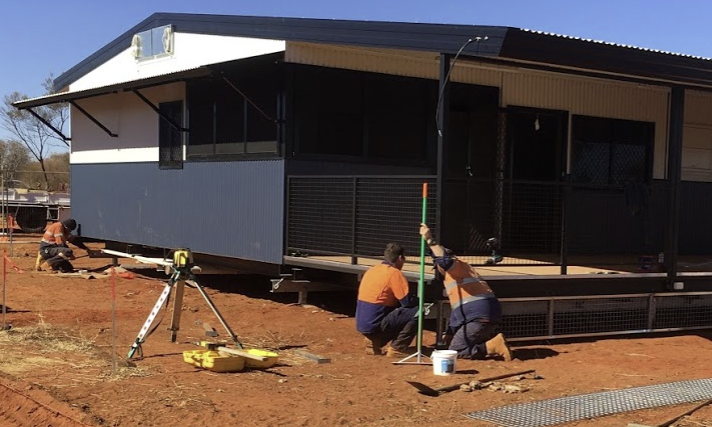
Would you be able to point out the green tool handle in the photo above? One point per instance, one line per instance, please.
(421, 279)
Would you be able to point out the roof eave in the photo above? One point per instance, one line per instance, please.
(395, 35)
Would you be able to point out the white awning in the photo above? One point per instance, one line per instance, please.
(113, 88)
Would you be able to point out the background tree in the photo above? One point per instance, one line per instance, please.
(56, 169)
(14, 157)
(28, 130)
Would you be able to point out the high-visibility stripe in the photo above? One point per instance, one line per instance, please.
(470, 299)
(465, 281)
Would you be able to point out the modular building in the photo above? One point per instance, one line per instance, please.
(274, 144)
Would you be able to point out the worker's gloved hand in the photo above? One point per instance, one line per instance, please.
(425, 232)
(67, 257)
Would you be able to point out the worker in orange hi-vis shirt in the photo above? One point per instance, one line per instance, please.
(386, 311)
(475, 310)
(53, 246)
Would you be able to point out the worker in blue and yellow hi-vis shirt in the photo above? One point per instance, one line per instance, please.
(386, 311)
(475, 310)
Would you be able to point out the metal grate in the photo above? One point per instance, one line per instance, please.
(586, 406)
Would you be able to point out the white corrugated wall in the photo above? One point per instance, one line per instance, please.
(518, 86)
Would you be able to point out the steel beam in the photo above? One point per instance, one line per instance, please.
(93, 119)
(174, 125)
(49, 125)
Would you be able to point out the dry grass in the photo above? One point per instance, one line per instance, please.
(47, 339)
(25, 348)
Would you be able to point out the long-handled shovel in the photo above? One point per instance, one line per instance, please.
(435, 392)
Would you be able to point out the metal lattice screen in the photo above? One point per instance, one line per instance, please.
(560, 317)
(532, 218)
(357, 216)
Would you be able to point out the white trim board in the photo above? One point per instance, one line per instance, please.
(126, 155)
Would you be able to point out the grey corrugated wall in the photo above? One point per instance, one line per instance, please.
(232, 209)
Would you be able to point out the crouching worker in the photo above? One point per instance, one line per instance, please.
(385, 309)
(54, 249)
(475, 310)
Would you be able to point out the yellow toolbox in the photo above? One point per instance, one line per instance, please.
(214, 361)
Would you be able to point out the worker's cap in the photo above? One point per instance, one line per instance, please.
(69, 224)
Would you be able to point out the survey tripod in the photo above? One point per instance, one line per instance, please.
(182, 272)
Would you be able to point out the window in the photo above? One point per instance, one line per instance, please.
(611, 151)
(234, 112)
(153, 43)
(170, 147)
(361, 115)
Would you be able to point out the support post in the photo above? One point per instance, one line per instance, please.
(674, 173)
(177, 308)
(443, 109)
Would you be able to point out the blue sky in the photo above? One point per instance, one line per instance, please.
(39, 37)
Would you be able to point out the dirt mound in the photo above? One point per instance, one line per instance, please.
(26, 409)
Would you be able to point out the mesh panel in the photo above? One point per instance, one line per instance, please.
(357, 215)
(683, 311)
(390, 210)
(590, 316)
(525, 319)
(599, 315)
(321, 214)
(532, 218)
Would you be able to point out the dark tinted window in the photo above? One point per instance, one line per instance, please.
(234, 111)
(358, 114)
(610, 151)
(170, 142)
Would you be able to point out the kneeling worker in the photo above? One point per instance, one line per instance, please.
(385, 309)
(53, 246)
(475, 310)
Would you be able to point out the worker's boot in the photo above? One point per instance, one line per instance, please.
(374, 345)
(38, 262)
(395, 353)
(44, 267)
(497, 346)
(65, 267)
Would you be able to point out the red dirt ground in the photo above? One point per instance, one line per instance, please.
(56, 365)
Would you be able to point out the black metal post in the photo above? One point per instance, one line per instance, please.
(443, 114)
(674, 173)
(564, 220)
(354, 201)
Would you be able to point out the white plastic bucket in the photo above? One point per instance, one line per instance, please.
(443, 362)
